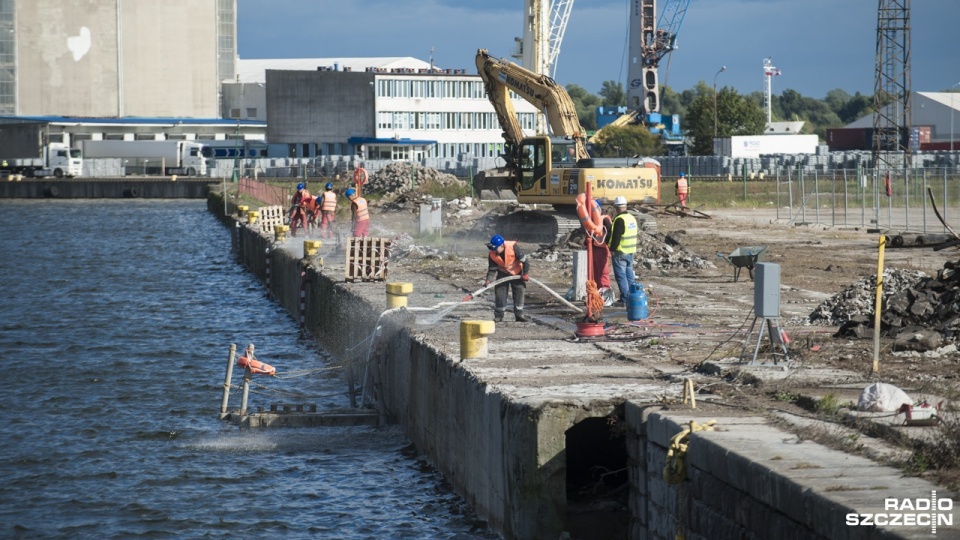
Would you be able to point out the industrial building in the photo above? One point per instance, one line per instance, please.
(932, 125)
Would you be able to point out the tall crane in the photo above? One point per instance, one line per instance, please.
(650, 42)
(545, 22)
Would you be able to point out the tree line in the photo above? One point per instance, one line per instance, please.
(735, 114)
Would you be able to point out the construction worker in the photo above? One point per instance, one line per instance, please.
(507, 260)
(328, 210)
(623, 244)
(601, 253)
(360, 213)
(683, 190)
(298, 211)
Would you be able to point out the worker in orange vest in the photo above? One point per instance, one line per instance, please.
(298, 211)
(683, 190)
(328, 210)
(360, 213)
(507, 260)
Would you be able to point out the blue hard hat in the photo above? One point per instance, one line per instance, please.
(682, 175)
(598, 203)
(350, 192)
(496, 241)
(299, 187)
(329, 185)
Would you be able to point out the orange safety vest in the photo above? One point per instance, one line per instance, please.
(309, 204)
(329, 201)
(360, 213)
(508, 263)
(682, 186)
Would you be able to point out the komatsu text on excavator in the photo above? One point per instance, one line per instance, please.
(543, 169)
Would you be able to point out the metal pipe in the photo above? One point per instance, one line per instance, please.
(227, 380)
(246, 394)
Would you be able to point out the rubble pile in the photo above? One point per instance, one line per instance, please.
(859, 298)
(398, 178)
(920, 312)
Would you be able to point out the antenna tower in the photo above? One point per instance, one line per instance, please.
(891, 97)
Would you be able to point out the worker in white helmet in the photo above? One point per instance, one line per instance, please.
(623, 244)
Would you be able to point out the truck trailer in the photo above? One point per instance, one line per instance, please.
(151, 157)
(25, 149)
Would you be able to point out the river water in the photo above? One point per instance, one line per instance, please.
(115, 324)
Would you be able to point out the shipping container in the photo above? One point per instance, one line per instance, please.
(840, 139)
(756, 145)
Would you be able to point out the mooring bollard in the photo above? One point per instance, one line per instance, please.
(473, 338)
(397, 294)
(227, 381)
(242, 210)
(311, 247)
(252, 216)
(280, 232)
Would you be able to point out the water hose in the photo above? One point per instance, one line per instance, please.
(479, 291)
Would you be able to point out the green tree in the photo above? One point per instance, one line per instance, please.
(612, 94)
(735, 115)
(586, 105)
(672, 102)
(624, 141)
(857, 107)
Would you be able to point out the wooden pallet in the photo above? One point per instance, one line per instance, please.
(367, 259)
(270, 217)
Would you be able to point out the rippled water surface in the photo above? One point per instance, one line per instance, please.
(115, 323)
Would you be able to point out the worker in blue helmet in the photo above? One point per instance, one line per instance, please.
(505, 261)
(683, 190)
(359, 212)
(298, 210)
(328, 211)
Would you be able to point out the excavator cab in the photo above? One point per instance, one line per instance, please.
(534, 162)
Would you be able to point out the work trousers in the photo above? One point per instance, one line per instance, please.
(601, 271)
(623, 272)
(298, 219)
(500, 296)
(361, 228)
(326, 224)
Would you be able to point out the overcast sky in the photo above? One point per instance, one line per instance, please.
(818, 45)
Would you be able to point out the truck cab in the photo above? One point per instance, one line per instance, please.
(61, 160)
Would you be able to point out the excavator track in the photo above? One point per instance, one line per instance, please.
(551, 227)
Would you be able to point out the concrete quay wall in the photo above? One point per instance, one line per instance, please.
(130, 187)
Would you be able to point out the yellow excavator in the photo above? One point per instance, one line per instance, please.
(545, 169)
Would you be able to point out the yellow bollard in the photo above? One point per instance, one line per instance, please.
(473, 338)
(252, 216)
(397, 294)
(311, 247)
(242, 210)
(280, 232)
(173, 178)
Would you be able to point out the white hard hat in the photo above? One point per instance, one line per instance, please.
(620, 201)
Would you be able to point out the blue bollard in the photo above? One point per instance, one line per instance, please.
(636, 303)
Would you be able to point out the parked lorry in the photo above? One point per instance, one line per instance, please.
(25, 149)
(151, 157)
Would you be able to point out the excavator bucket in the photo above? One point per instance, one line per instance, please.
(494, 185)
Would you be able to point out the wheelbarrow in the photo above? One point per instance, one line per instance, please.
(743, 257)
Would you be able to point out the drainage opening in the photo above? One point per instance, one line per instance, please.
(597, 480)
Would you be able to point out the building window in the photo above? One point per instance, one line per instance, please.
(251, 112)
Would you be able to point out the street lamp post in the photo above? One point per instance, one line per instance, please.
(719, 71)
(952, 93)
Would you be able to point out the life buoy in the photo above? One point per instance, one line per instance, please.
(360, 176)
(256, 366)
(590, 218)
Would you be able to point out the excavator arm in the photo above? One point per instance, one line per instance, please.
(500, 77)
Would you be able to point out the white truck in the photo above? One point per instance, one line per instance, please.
(143, 157)
(25, 150)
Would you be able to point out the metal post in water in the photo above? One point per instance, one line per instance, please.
(227, 380)
(246, 394)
